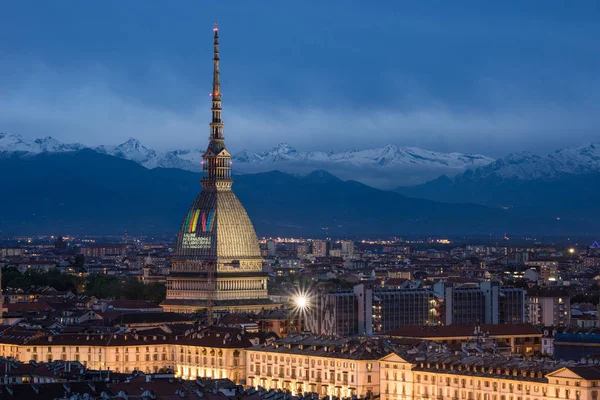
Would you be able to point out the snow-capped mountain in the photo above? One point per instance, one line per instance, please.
(385, 156)
(384, 167)
(15, 143)
(527, 166)
(132, 150)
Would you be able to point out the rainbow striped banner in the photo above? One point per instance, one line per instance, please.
(206, 219)
(210, 221)
(194, 221)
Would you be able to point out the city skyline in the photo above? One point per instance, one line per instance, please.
(493, 80)
(394, 273)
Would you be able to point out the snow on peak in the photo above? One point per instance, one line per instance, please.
(388, 155)
(400, 164)
(49, 144)
(16, 143)
(284, 148)
(131, 143)
(526, 165)
(131, 149)
(10, 142)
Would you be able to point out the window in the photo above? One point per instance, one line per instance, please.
(368, 378)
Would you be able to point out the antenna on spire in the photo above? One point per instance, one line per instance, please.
(216, 79)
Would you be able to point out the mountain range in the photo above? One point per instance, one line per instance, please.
(384, 167)
(129, 186)
(86, 192)
(563, 184)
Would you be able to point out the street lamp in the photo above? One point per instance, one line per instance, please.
(301, 302)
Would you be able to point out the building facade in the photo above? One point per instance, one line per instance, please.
(210, 353)
(548, 307)
(329, 367)
(485, 303)
(444, 377)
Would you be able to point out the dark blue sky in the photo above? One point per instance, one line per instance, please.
(468, 76)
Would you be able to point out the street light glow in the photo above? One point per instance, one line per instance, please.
(301, 301)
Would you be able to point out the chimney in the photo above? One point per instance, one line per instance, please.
(148, 378)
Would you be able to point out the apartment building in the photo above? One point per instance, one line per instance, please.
(551, 307)
(445, 376)
(327, 366)
(208, 352)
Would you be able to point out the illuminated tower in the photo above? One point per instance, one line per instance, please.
(217, 262)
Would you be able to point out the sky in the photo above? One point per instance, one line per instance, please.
(465, 76)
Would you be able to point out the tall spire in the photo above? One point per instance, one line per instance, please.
(216, 83)
(216, 160)
(216, 131)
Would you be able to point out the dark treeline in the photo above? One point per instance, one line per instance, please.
(100, 286)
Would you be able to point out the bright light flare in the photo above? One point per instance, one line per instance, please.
(301, 301)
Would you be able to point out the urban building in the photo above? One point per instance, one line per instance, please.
(393, 308)
(548, 307)
(327, 367)
(11, 251)
(217, 263)
(485, 303)
(440, 375)
(209, 352)
(347, 249)
(368, 309)
(466, 306)
(524, 339)
(104, 250)
(547, 269)
(271, 247)
(320, 248)
(511, 306)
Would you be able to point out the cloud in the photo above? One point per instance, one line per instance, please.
(85, 107)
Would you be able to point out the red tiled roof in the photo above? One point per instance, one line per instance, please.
(27, 307)
(395, 281)
(462, 330)
(133, 304)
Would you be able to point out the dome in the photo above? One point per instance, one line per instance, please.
(217, 226)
